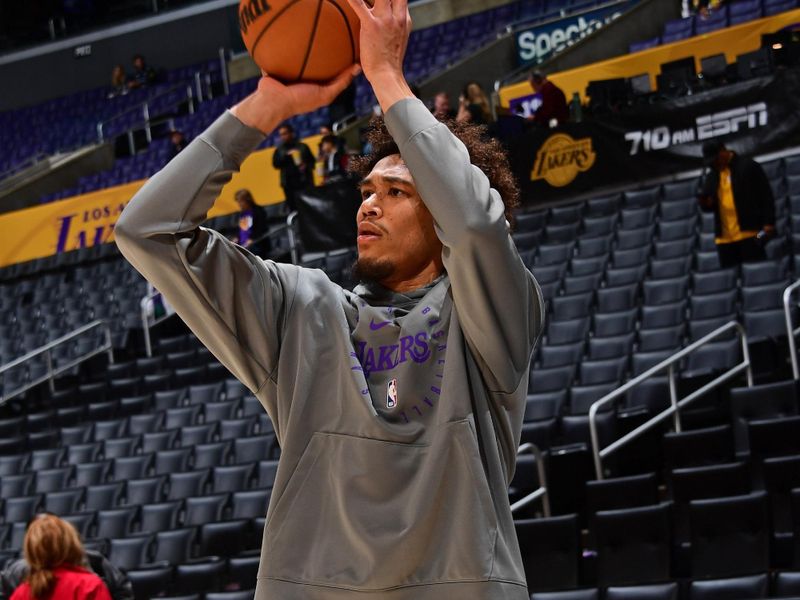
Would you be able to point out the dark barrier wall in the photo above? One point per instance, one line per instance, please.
(752, 117)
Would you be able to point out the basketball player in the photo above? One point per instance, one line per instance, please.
(398, 406)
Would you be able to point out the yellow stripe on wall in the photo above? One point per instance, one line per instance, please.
(88, 219)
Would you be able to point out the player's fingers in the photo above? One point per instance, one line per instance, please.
(338, 84)
(359, 7)
(399, 9)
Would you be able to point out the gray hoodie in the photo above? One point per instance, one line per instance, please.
(398, 415)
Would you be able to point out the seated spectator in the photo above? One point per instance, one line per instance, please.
(473, 105)
(118, 82)
(177, 142)
(554, 110)
(441, 106)
(143, 75)
(252, 224)
(331, 162)
(327, 129)
(57, 564)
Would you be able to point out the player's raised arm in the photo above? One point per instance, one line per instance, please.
(231, 299)
(499, 303)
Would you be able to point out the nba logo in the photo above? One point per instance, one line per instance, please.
(391, 394)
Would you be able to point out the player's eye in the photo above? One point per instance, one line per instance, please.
(396, 192)
(366, 194)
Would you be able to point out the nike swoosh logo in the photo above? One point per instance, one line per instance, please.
(376, 326)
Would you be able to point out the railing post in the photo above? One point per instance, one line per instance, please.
(787, 312)
(100, 137)
(146, 114)
(746, 354)
(224, 71)
(673, 397)
(598, 464)
(50, 377)
(290, 220)
(131, 144)
(190, 97)
(198, 86)
(109, 344)
(146, 327)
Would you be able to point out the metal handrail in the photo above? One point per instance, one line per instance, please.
(791, 332)
(144, 107)
(290, 222)
(675, 404)
(52, 372)
(541, 491)
(146, 323)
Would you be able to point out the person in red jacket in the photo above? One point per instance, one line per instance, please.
(56, 559)
(554, 102)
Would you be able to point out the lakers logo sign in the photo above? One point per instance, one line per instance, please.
(561, 158)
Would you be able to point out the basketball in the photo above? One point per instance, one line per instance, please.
(300, 40)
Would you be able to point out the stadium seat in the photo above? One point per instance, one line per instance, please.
(21, 509)
(762, 273)
(593, 372)
(750, 586)
(204, 509)
(132, 467)
(559, 356)
(116, 522)
(713, 305)
(267, 469)
(638, 233)
(613, 324)
(663, 338)
(250, 504)
(83, 522)
(159, 440)
(92, 473)
(571, 307)
(46, 459)
(227, 538)
(593, 227)
(121, 447)
(655, 591)
(664, 315)
(212, 455)
(199, 577)
(131, 551)
(541, 381)
(595, 246)
(601, 348)
(148, 490)
(198, 434)
(616, 299)
(763, 297)
(174, 546)
(729, 536)
(550, 551)
(641, 198)
(172, 461)
(586, 594)
(677, 229)
(774, 437)
(581, 399)
(16, 485)
(634, 257)
(147, 423)
(104, 496)
(621, 492)
(218, 411)
(190, 483)
(670, 268)
(698, 447)
(150, 582)
(711, 283)
(205, 393)
(633, 545)
(666, 291)
(64, 502)
(182, 416)
(581, 283)
(766, 401)
(566, 332)
(787, 584)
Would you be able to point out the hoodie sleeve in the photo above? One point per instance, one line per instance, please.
(234, 302)
(499, 303)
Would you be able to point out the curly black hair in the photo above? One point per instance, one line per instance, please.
(485, 152)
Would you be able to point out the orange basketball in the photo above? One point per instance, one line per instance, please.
(300, 40)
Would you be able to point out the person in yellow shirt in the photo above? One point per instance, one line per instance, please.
(737, 190)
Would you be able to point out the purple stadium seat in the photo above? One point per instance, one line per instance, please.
(645, 44)
(773, 7)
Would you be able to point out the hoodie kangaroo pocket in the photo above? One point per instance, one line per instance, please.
(367, 514)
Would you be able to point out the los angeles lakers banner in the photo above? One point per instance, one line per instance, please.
(751, 117)
(89, 219)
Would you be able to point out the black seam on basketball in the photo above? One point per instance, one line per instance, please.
(311, 39)
(274, 18)
(349, 31)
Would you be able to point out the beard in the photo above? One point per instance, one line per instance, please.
(372, 270)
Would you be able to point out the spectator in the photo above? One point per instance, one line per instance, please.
(737, 190)
(252, 224)
(296, 163)
(327, 129)
(143, 75)
(441, 106)
(344, 104)
(332, 162)
(118, 82)
(56, 564)
(473, 105)
(177, 142)
(554, 110)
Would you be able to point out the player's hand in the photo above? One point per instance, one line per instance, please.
(385, 28)
(273, 102)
